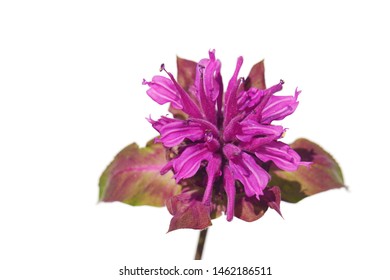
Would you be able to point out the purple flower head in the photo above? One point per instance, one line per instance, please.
(221, 144)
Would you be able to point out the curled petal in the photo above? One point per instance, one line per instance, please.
(200, 66)
(186, 70)
(207, 125)
(281, 154)
(208, 85)
(231, 108)
(279, 107)
(266, 95)
(207, 104)
(189, 161)
(207, 76)
(173, 133)
(251, 129)
(250, 174)
(256, 143)
(188, 105)
(212, 72)
(162, 90)
(249, 99)
(159, 124)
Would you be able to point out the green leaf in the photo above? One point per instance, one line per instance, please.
(323, 174)
(134, 178)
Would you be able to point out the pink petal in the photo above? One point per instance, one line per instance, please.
(249, 99)
(281, 154)
(162, 90)
(257, 111)
(231, 108)
(208, 105)
(158, 125)
(188, 105)
(278, 107)
(174, 133)
(212, 72)
(213, 170)
(251, 129)
(189, 161)
(230, 190)
(249, 173)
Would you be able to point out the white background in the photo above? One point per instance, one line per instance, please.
(71, 98)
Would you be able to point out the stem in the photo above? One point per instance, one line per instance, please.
(201, 241)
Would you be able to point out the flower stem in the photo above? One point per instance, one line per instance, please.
(201, 241)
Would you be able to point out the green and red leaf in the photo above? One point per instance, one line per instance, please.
(134, 178)
(323, 174)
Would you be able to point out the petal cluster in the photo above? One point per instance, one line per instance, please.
(227, 137)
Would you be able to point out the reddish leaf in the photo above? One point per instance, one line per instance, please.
(272, 196)
(323, 174)
(217, 205)
(188, 211)
(256, 77)
(133, 177)
(251, 209)
(186, 72)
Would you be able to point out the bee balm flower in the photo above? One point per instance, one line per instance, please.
(221, 143)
